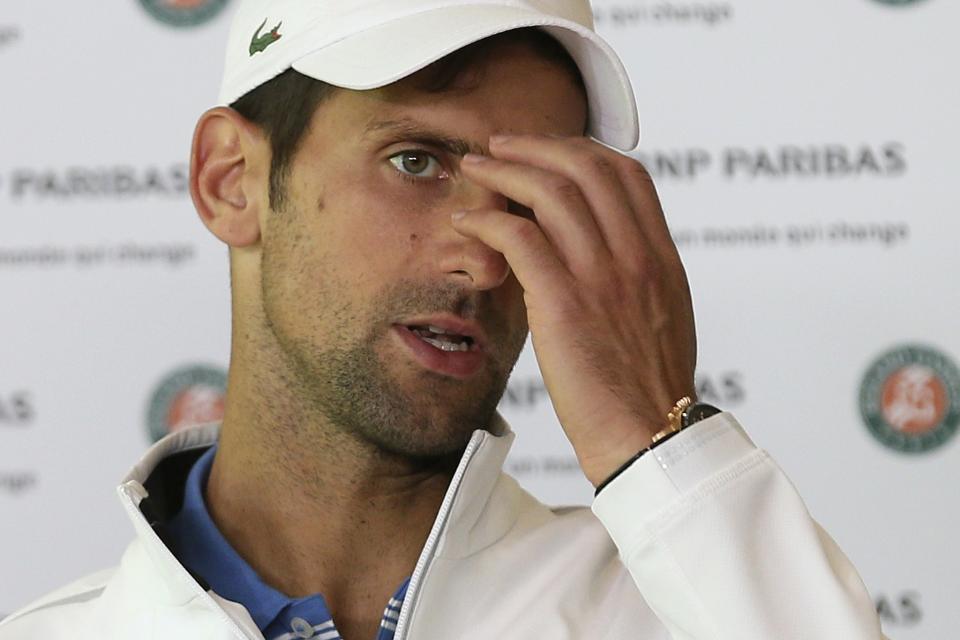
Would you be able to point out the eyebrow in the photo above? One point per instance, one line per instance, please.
(415, 131)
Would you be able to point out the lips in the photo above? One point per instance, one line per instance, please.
(449, 346)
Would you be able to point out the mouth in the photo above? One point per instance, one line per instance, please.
(448, 346)
(443, 339)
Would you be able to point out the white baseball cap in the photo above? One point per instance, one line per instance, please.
(365, 44)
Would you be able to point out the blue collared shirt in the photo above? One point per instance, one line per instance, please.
(195, 540)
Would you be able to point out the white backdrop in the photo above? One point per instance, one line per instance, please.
(805, 155)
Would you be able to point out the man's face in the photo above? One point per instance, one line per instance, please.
(363, 255)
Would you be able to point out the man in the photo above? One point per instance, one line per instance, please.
(398, 219)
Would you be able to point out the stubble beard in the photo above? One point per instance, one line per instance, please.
(425, 416)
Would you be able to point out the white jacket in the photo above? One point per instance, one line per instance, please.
(714, 544)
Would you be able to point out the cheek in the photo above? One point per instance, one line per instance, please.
(363, 237)
(390, 224)
(372, 223)
(292, 265)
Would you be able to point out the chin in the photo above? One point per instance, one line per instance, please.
(437, 432)
(431, 441)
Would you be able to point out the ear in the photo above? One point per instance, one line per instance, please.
(229, 164)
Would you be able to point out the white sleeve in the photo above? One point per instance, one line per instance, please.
(722, 547)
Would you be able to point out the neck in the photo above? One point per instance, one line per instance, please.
(313, 509)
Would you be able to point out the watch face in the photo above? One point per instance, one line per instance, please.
(699, 411)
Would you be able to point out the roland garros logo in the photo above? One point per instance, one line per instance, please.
(186, 397)
(910, 399)
(184, 13)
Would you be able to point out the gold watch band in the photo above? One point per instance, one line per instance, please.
(674, 418)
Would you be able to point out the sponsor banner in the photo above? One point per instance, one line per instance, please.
(910, 399)
(190, 395)
(527, 392)
(899, 3)
(32, 185)
(800, 235)
(528, 395)
(804, 154)
(625, 15)
(797, 161)
(900, 610)
(17, 412)
(184, 13)
(9, 35)
(523, 466)
(17, 483)
(16, 409)
(84, 257)
(726, 388)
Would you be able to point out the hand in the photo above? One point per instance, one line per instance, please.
(607, 297)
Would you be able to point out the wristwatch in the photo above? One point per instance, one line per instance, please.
(696, 412)
(685, 414)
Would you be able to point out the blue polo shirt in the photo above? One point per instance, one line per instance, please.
(195, 540)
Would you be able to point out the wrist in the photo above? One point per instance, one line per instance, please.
(599, 467)
(684, 414)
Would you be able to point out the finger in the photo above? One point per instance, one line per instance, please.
(531, 257)
(559, 206)
(588, 165)
(639, 184)
(645, 207)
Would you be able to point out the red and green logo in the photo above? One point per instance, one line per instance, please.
(184, 13)
(188, 396)
(260, 42)
(910, 399)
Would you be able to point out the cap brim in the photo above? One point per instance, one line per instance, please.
(388, 52)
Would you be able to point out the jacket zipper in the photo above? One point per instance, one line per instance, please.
(430, 547)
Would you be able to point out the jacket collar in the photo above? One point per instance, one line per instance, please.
(469, 521)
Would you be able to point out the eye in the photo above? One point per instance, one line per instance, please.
(418, 164)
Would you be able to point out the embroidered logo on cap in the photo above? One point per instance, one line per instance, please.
(260, 42)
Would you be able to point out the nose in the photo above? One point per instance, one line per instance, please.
(467, 260)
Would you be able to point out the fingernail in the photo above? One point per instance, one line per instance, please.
(457, 215)
(500, 138)
(474, 158)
